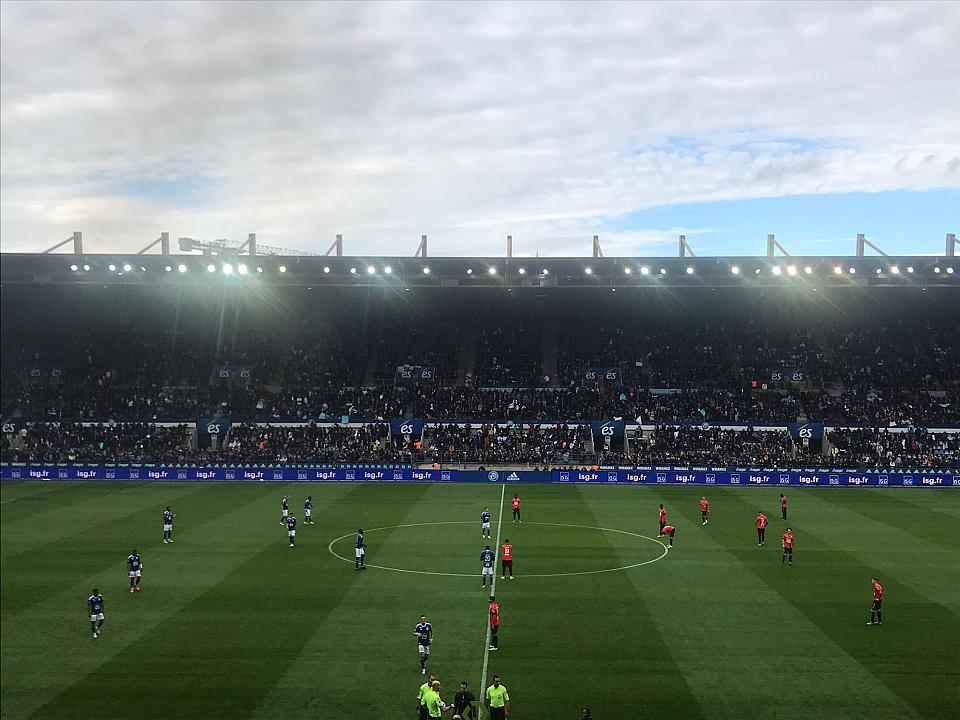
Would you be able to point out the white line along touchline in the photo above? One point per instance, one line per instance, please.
(493, 587)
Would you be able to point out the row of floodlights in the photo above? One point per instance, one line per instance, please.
(241, 269)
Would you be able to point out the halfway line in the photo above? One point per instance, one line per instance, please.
(493, 587)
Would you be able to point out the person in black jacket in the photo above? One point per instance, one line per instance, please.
(463, 703)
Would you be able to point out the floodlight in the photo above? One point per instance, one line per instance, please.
(426, 270)
(259, 269)
(469, 271)
(776, 270)
(627, 271)
(756, 271)
(837, 270)
(910, 269)
(644, 270)
(521, 271)
(86, 268)
(388, 269)
(142, 269)
(689, 271)
(74, 268)
(808, 270)
(491, 271)
(228, 269)
(326, 268)
(937, 269)
(111, 267)
(181, 268)
(353, 271)
(168, 269)
(211, 268)
(852, 271)
(544, 272)
(895, 270)
(735, 270)
(949, 271)
(282, 268)
(879, 271)
(588, 271)
(663, 271)
(127, 267)
(371, 270)
(242, 269)
(791, 269)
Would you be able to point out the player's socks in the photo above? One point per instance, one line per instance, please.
(879, 619)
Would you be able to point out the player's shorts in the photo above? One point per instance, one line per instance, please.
(487, 571)
(285, 512)
(307, 512)
(359, 552)
(423, 649)
(167, 528)
(485, 526)
(788, 551)
(291, 533)
(134, 573)
(876, 605)
(508, 565)
(96, 616)
(704, 513)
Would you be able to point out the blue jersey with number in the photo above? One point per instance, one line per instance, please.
(423, 632)
(283, 504)
(133, 561)
(168, 517)
(291, 523)
(485, 516)
(486, 557)
(307, 505)
(95, 602)
(359, 540)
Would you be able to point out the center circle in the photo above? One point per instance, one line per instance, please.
(420, 546)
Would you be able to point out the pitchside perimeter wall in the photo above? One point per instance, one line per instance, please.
(636, 476)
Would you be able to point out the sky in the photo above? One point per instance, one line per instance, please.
(551, 122)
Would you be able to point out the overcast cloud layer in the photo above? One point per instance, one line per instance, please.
(464, 121)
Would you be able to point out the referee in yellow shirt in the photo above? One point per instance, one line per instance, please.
(497, 700)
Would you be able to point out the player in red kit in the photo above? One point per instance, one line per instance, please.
(506, 559)
(761, 528)
(875, 618)
(515, 504)
(663, 518)
(669, 530)
(787, 546)
(783, 505)
(494, 624)
(704, 511)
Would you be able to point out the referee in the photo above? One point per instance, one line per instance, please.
(497, 700)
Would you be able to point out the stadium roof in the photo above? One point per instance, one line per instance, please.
(458, 272)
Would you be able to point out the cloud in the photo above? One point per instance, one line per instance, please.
(465, 121)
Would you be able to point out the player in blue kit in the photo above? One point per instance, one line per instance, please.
(485, 522)
(358, 563)
(487, 561)
(308, 510)
(95, 606)
(134, 566)
(285, 509)
(168, 516)
(424, 633)
(291, 522)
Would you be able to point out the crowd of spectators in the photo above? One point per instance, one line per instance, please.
(712, 446)
(508, 355)
(878, 448)
(530, 444)
(100, 443)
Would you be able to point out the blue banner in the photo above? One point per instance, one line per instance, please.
(805, 431)
(606, 430)
(639, 476)
(214, 426)
(413, 428)
(597, 374)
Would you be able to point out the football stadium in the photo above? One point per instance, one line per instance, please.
(644, 316)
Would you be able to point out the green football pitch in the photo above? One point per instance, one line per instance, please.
(232, 623)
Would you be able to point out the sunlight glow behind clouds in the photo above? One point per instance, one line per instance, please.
(464, 121)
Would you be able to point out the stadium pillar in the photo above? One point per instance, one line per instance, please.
(509, 246)
(951, 245)
(252, 244)
(597, 252)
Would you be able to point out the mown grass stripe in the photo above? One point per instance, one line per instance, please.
(218, 653)
(49, 643)
(835, 596)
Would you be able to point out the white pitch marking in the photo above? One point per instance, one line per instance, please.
(8, 500)
(521, 577)
(493, 586)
